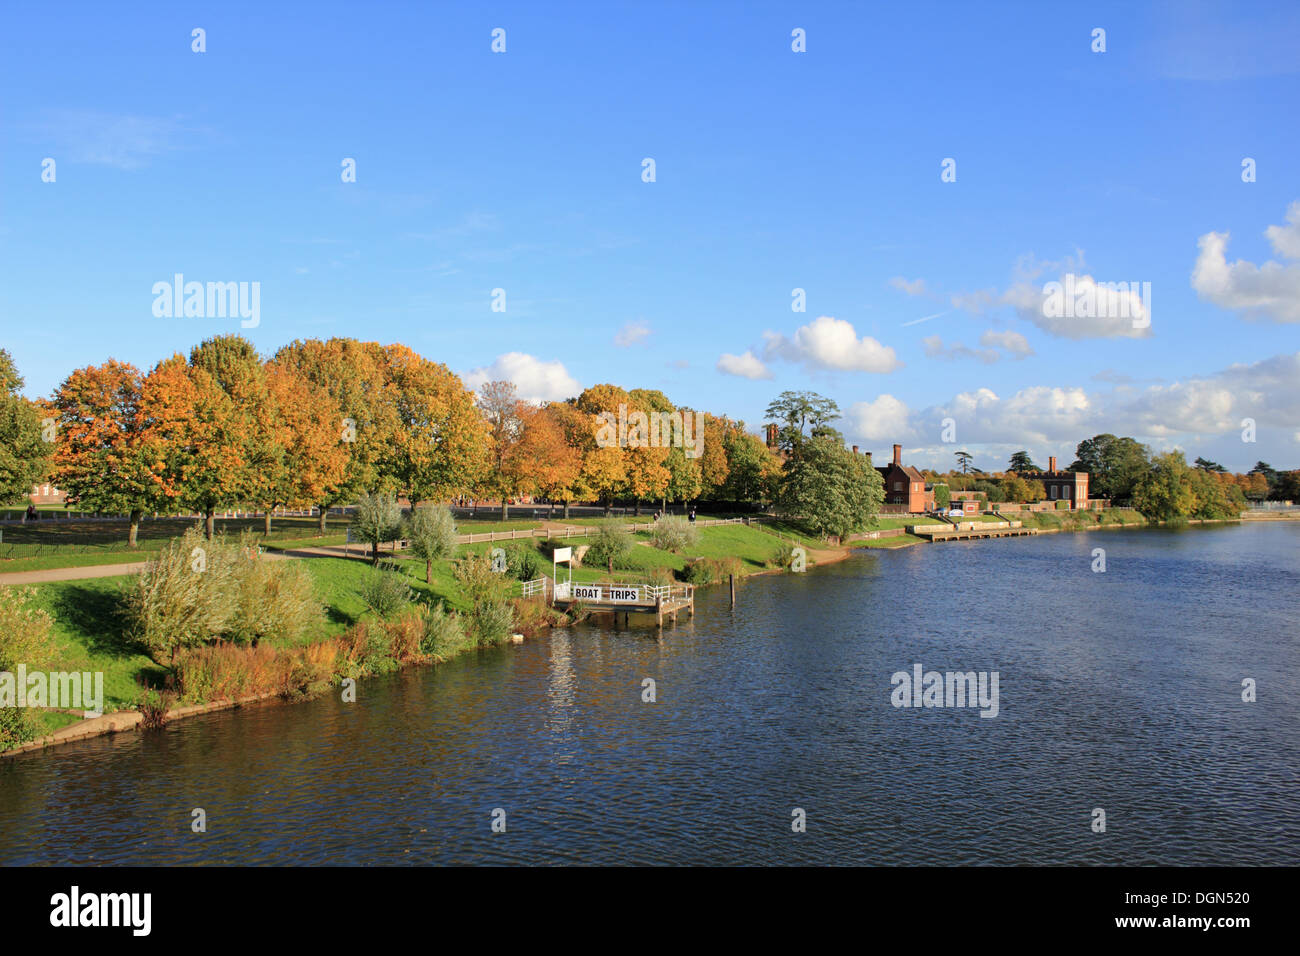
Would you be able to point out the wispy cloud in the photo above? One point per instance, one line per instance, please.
(123, 141)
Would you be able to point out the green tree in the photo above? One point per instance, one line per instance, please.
(829, 489)
(1204, 464)
(964, 458)
(1021, 462)
(1165, 492)
(432, 533)
(377, 518)
(1114, 465)
(797, 411)
(24, 448)
(942, 496)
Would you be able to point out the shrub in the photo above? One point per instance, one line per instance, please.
(524, 561)
(180, 599)
(15, 727)
(24, 629)
(674, 533)
(153, 706)
(405, 635)
(444, 636)
(490, 615)
(784, 556)
(712, 570)
(385, 591)
(272, 599)
(611, 545)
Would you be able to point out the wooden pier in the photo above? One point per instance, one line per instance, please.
(970, 530)
(661, 601)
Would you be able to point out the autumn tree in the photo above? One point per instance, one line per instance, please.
(442, 442)
(354, 374)
(196, 438)
(101, 459)
(25, 445)
(504, 413)
(548, 460)
(299, 427)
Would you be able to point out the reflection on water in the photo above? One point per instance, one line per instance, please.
(1118, 690)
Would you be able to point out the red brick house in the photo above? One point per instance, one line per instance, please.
(1071, 486)
(904, 485)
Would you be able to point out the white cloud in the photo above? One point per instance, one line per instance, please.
(884, 419)
(631, 333)
(831, 343)
(1013, 342)
(934, 348)
(909, 286)
(536, 380)
(1269, 291)
(747, 365)
(111, 139)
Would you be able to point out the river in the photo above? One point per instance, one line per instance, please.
(1119, 691)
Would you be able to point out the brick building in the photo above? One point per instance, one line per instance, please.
(905, 486)
(1071, 486)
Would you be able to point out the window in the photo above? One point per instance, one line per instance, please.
(1053, 491)
(898, 486)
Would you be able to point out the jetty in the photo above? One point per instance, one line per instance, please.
(660, 601)
(969, 530)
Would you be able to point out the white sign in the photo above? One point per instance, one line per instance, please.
(606, 595)
(563, 554)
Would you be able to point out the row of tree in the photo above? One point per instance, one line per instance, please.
(324, 422)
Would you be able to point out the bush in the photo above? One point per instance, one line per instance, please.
(197, 591)
(25, 630)
(1063, 505)
(15, 727)
(674, 533)
(153, 706)
(712, 570)
(405, 635)
(490, 615)
(524, 561)
(182, 597)
(385, 590)
(444, 636)
(784, 556)
(611, 545)
(272, 599)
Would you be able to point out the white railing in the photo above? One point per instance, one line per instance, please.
(536, 587)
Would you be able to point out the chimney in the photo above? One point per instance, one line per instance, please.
(1051, 463)
(771, 436)
(898, 455)
(855, 449)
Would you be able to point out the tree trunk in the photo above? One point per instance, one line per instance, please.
(323, 509)
(428, 571)
(637, 511)
(133, 535)
(209, 522)
(505, 509)
(268, 522)
(374, 552)
(566, 509)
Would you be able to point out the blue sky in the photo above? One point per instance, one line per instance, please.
(775, 170)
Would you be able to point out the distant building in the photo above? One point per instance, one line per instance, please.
(905, 486)
(47, 495)
(1071, 486)
(770, 431)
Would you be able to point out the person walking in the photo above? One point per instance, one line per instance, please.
(692, 517)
